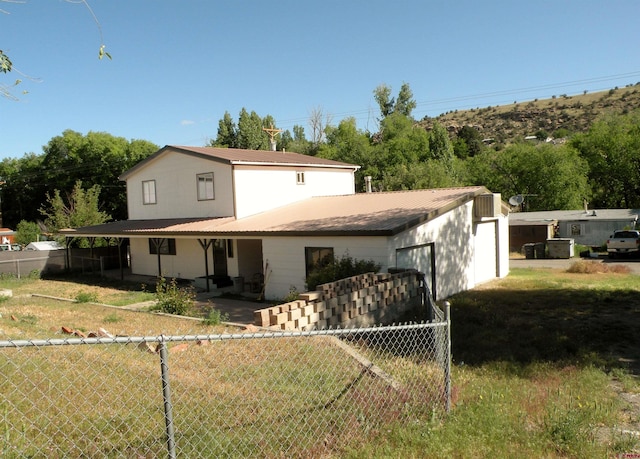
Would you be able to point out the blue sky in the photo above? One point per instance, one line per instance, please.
(178, 65)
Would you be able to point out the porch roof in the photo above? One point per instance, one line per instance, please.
(364, 214)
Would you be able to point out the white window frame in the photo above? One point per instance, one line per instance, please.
(149, 196)
(300, 177)
(205, 188)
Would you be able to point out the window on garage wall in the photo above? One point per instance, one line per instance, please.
(317, 257)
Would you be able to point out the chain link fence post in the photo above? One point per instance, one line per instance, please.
(166, 395)
(447, 367)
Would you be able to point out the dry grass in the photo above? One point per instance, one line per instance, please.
(593, 267)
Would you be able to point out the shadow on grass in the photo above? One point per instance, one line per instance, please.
(99, 281)
(564, 326)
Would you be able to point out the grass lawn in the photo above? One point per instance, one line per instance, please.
(540, 361)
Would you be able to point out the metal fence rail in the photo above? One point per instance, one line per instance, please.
(280, 394)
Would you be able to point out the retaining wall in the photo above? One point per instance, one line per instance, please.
(363, 300)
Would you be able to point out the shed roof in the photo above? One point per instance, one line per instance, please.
(365, 214)
(576, 215)
(237, 156)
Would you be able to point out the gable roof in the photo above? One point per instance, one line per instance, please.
(237, 156)
(363, 214)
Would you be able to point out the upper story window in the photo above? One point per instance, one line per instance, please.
(205, 186)
(149, 192)
(300, 178)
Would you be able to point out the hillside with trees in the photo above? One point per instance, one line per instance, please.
(556, 117)
(559, 152)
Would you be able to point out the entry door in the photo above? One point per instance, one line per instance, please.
(420, 257)
(220, 257)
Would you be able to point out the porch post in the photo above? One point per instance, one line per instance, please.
(119, 241)
(205, 243)
(157, 242)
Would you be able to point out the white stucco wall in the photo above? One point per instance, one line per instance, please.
(187, 263)
(466, 253)
(176, 188)
(259, 189)
(287, 263)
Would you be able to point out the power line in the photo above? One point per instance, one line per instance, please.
(455, 103)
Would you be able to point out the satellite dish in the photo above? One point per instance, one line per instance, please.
(516, 200)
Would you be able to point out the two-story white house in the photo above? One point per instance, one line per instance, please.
(215, 213)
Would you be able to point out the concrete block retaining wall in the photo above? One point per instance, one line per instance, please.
(358, 301)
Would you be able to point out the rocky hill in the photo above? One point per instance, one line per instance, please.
(556, 117)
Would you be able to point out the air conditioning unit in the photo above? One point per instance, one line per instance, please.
(487, 205)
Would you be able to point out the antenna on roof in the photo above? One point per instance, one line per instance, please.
(272, 136)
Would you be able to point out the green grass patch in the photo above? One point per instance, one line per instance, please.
(538, 359)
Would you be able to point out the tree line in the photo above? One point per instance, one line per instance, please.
(600, 166)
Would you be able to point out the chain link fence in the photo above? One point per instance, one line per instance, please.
(267, 394)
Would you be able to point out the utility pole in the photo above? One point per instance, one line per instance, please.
(272, 136)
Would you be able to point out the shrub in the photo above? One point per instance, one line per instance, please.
(215, 317)
(339, 268)
(172, 299)
(292, 295)
(86, 297)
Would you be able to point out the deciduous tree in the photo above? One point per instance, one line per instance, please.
(76, 209)
(611, 147)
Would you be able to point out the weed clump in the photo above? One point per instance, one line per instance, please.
(172, 299)
(592, 267)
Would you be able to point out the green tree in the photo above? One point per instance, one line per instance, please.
(227, 133)
(80, 208)
(27, 232)
(611, 147)
(348, 144)
(440, 146)
(551, 177)
(23, 189)
(297, 143)
(468, 142)
(423, 175)
(400, 143)
(403, 105)
(250, 133)
(97, 158)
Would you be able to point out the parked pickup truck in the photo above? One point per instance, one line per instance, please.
(623, 242)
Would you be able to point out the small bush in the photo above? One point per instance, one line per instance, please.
(86, 297)
(292, 295)
(172, 299)
(215, 317)
(333, 269)
(112, 318)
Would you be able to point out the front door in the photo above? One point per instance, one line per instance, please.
(220, 257)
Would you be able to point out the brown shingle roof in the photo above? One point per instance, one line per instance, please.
(367, 214)
(237, 156)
